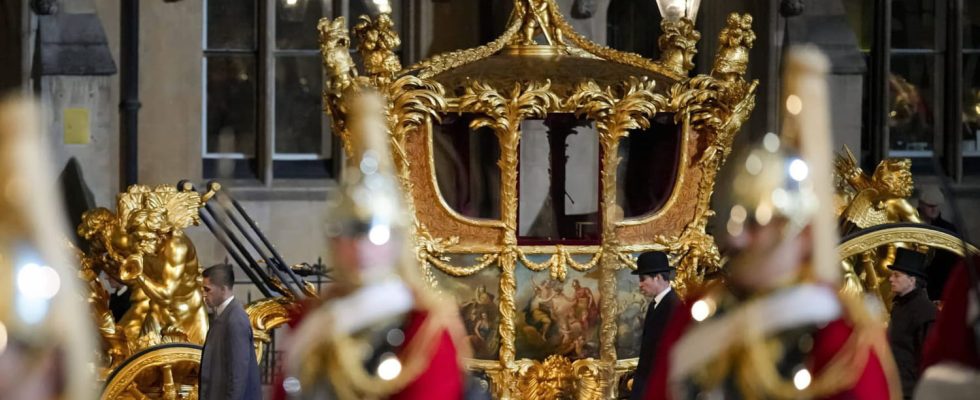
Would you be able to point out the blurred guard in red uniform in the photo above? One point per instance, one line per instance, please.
(778, 328)
(46, 337)
(379, 333)
(951, 357)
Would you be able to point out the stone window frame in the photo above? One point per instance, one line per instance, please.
(268, 165)
(265, 158)
(948, 75)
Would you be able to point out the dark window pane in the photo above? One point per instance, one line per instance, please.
(299, 116)
(466, 166)
(302, 169)
(231, 24)
(296, 23)
(866, 116)
(911, 87)
(971, 24)
(648, 167)
(634, 26)
(231, 104)
(913, 24)
(971, 113)
(558, 192)
(460, 26)
(229, 168)
(860, 15)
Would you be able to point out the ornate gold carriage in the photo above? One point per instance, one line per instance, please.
(537, 166)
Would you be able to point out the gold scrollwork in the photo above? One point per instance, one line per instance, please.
(444, 62)
(266, 315)
(678, 44)
(557, 377)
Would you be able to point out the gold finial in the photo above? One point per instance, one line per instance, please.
(678, 44)
(735, 39)
(335, 51)
(377, 41)
(536, 17)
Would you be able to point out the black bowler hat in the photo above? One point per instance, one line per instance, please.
(910, 262)
(652, 263)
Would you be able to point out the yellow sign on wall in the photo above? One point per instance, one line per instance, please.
(76, 126)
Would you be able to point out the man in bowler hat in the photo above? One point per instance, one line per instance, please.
(655, 274)
(912, 315)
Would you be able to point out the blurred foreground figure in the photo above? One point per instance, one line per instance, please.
(951, 358)
(778, 328)
(45, 337)
(379, 332)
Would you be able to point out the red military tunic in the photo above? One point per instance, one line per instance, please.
(442, 378)
(877, 379)
(951, 339)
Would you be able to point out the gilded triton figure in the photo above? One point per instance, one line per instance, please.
(144, 247)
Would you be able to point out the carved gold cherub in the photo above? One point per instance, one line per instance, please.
(537, 17)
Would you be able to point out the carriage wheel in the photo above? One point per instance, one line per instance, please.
(868, 239)
(168, 372)
(865, 247)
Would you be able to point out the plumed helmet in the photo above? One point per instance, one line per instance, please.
(764, 182)
(368, 207)
(368, 201)
(789, 176)
(42, 318)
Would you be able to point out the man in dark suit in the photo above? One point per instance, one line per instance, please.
(912, 315)
(655, 275)
(930, 200)
(229, 370)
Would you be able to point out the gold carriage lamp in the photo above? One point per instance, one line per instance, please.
(537, 165)
(675, 10)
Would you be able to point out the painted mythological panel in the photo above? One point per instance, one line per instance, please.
(557, 316)
(631, 307)
(478, 297)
